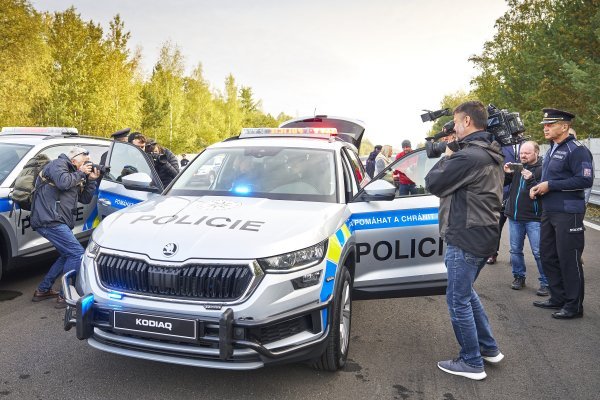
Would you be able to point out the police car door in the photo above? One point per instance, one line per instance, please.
(399, 251)
(124, 159)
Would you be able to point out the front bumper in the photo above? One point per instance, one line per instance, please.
(224, 342)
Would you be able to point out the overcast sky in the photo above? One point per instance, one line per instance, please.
(380, 61)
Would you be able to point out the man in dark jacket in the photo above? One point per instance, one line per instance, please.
(370, 167)
(524, 214)
(567, 171)
(165, 162)
(62, 183)
(468, 182)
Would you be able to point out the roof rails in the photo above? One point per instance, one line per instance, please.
(38, 130)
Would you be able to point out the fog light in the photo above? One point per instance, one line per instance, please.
(307, 280)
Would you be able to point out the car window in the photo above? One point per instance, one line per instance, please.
(408, 173)
(272, 172)
(357, 168)
(350, 183)
(127, 159)
(10, 155)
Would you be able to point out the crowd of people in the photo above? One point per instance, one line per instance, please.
(480, 186)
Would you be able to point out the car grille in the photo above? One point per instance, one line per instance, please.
(214, 282)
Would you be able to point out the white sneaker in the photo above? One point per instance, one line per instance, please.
(492, 357)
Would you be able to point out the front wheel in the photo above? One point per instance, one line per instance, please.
(338, 341)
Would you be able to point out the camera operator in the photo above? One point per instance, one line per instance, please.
(62, 183)
(524, 214)
(468, 182)
(511, 154)
(566, 172)
(165, 162)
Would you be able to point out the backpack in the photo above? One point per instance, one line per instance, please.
(22, 194)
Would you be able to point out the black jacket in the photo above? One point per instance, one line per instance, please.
(469, 185)
(55, 201)
(167, 169)
(569, 170)
(519, 206)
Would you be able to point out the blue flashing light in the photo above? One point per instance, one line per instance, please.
(86, 303)
(242, 189)
(116, 296)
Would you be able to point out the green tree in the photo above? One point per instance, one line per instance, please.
(26, 61)
(546, 53)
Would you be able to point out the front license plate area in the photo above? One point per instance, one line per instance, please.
(155, 326)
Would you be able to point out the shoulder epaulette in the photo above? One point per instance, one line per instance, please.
(577, 143)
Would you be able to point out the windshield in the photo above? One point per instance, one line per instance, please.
(270, 172)
(10, 155)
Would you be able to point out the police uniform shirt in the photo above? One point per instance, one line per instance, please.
(568, 170)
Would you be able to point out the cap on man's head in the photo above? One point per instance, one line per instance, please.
(552, 115)
(74, 151)
(132, 136)
(121, 134)
(378, 147)
(406, 143)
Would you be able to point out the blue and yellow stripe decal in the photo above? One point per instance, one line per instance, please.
(334, 252)
(118, 201)
(393, 219)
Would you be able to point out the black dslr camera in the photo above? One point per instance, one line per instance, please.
(103, 169)
(506, 128)
(158, 158)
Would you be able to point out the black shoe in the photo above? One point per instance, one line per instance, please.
(564, 314)
(547, 304)
(518, 283)
(60, 302)
(492, 260)
(543, 291)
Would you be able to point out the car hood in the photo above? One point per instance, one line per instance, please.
(214, 227)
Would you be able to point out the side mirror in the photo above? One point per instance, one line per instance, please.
(379, 190)
(139, 181)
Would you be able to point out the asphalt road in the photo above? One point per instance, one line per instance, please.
(393, 353)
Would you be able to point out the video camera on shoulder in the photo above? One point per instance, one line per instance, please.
(506, 127)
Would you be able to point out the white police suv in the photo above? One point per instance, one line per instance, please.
(260, 264)
(18, 242)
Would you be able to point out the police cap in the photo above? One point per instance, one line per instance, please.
(552, 115)
(121, 134)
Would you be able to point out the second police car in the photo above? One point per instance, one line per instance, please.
(261, 264)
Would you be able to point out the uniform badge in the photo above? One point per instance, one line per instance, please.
(587, 172)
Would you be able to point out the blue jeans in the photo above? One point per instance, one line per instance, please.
(69, 249)
(469, 321)
(518, 230)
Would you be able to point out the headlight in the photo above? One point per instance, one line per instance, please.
(92, 249)
(295, 260)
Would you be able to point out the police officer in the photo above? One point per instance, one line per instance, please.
(566, 172)
(118, 136)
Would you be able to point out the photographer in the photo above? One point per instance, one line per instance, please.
(468, 182)
(524, 214)
(62, 183)
(165, 162)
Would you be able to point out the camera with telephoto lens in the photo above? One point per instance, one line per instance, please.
(506, 127)
(158, 158)
(103, 169)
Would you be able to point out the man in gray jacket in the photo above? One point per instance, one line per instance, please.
(62, 183)
(468, 181)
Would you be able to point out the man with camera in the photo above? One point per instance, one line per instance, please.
(62, 183)
(524, 214)
(567, 171)
(468, 182)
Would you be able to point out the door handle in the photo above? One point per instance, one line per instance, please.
(104, 202)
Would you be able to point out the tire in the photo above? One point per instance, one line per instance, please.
(338, 341)
(1, 267)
